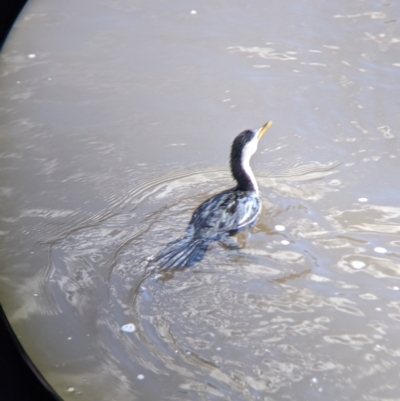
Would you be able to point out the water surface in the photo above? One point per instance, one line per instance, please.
(116, 122)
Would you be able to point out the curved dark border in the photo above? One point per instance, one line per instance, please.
(20, 380)
(9, 11)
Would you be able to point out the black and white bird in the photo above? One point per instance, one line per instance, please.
(222, 215)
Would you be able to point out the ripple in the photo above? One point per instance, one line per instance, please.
(263, 52)
(371, 14)
(351, 340)
(263, 296)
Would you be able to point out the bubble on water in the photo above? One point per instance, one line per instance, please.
(357, 264)
(31, 55)
(218, 348)
(279, 227)
(69, 338)
(140, 377)
(35, 295)
(380, 249)
(363, 199)
(128, 328)
(71, 389)
(285, 242)
(314, 380)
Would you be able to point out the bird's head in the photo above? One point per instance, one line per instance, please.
(246, 142)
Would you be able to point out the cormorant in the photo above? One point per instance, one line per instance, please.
(222, 215)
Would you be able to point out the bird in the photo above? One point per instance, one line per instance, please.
(223, 215)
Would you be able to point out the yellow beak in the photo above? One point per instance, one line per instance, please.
(262, 130)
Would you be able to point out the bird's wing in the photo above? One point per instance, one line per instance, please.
(227, 211)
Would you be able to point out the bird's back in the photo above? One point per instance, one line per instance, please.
(227, 211)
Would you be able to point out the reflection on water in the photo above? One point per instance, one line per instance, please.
(111, 140)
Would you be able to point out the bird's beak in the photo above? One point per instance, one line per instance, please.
(262, 130)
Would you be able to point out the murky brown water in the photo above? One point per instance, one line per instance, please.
(116, 122)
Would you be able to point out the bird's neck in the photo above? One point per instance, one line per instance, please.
(242, 172)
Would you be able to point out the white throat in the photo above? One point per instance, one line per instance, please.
(248, 151)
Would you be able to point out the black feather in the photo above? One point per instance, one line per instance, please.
(224, 214)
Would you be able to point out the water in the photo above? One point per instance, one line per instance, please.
(116, 122)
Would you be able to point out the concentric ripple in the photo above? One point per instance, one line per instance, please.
(240, 324)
